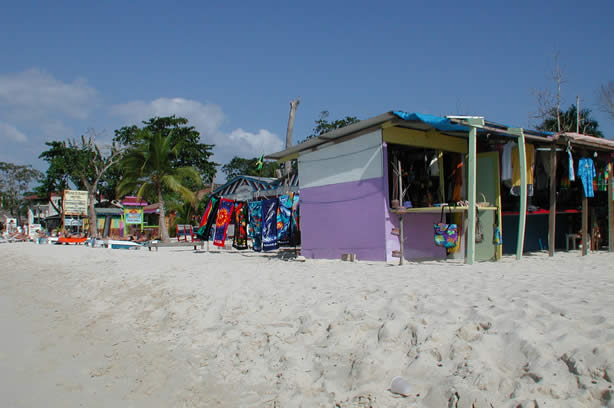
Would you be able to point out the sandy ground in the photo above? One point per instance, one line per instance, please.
(178, 328)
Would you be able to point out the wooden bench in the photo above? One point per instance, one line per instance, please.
(157, 245)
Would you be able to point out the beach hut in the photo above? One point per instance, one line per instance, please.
(243, 187)
(376, 188)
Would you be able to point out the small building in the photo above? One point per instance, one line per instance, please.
(377, 187)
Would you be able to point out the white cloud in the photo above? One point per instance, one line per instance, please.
(10, 132)
(255, 144)
(207, 119)
(37, 93)
(56, 130)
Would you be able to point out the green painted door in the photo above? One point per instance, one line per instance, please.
(487, 187)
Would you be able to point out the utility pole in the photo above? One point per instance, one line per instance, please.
(293, 106)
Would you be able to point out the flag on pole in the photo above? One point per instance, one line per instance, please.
(259, 163)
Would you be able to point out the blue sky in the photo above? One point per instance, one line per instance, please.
(233, 67)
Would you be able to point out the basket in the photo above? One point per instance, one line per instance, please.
(483, 203)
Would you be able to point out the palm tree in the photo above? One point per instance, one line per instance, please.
(148, 170)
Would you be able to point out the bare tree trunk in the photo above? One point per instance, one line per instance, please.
(162, 223)
(558, 77)
(577, 114)
(91, 212)
(293, 107)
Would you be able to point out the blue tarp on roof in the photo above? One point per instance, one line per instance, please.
(438, 122)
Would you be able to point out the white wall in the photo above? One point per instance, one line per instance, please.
(352, 160)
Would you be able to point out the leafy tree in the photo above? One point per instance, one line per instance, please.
(323, 125)
(568, 120)
(149, 168)
(81, 163)
(15, 181)
(58, 175)
(186, 139)
(248, 167)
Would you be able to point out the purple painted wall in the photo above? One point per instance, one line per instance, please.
(344, 218)
(417, 229)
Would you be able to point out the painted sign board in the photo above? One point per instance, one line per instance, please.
(75, 202)
(133, 215)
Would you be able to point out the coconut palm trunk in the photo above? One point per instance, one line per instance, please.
(162, 222)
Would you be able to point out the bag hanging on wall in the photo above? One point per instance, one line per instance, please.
(446, 235)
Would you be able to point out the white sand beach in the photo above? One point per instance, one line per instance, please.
(177, 328)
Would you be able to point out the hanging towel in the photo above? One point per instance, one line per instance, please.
(204, 228)
(224, 215)
(240, 221)
(572, 176)
(586, 172)
(269, 225)
(530, 152)
(255, 224)
(506, 161)
(295, 232)
(284, 214)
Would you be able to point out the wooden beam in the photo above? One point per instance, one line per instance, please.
(401, 240)
(610, 208)
(522, 218)
(584, 225)
(442, 183)
(471, 195)
(552, 215)
(430, 140)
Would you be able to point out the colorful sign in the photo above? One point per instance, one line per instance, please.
(133, 215)
(75, 202)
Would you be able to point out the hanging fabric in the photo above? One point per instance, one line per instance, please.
(530, 153)
(284, 215)
(206, 222)
(586, 172)
(506, 161)
(295, 232)
(572, 176)
(224, 215)
(269, 225)
(240, 221)
(255, 224)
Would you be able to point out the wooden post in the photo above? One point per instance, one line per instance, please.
(522, 218)
(471, 192)
(442, 188)
(290, 131)
(552, 216)
(584, 225)
(401, 240)
(400, 178)
(610, 208)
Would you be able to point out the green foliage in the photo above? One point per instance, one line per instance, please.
(239, 166)
(323, 125)
(78, 165)
(588, 125)
(185, 139)
(15, 181)
(149, 168)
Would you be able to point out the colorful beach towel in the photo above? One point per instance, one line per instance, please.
(255, 224)
(295, 231)
(269, 225)
(224, 215)
(240, 221)
(204, 228)
(284, 215)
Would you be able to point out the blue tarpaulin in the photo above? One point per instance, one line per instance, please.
(438, 122)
